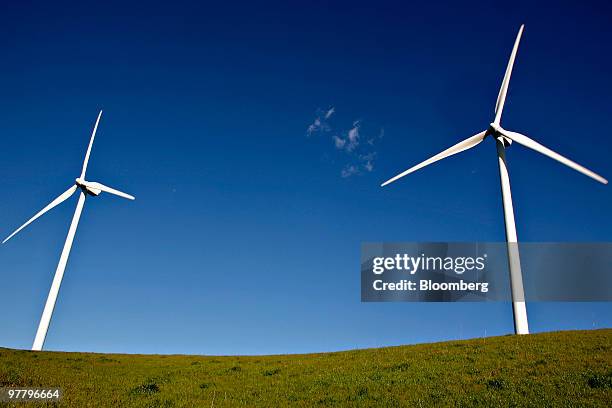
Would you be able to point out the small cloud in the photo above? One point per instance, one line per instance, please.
(367, 156)
(320, 124)
(312, 128)
(339, 142)
(351, 141)
(356, 144)
(353, 137)
(317, 126)
(349, 170)
(381, 134)
(368, 161)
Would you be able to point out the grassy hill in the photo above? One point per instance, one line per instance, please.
(550, 369)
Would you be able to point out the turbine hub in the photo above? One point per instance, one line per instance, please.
(494, 129)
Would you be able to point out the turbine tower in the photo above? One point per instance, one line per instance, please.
(86, 188)
(503, 139)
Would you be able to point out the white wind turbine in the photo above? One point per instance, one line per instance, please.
(86, 188)
(503, 139)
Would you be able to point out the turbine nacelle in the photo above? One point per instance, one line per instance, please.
(95, 188)
(88, 190)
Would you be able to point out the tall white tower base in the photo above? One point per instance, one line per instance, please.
(521, 325)
(43, 326)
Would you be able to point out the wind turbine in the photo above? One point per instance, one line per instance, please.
(503, 139)
(86, 188)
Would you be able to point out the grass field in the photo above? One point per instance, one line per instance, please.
(550, 369)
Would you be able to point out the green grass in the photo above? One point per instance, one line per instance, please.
(569, 369)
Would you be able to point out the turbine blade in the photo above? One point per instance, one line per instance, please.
(100, 186)
(93, 135)
(503, 90)
(459, 147)
(62, 197)
(532, 144)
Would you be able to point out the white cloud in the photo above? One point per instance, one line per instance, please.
(339, 142)
(373, 140)
(313, 127)
(349, 170)
(353, 137)
(368, 156)
(351, 141)
(368, 160)
(321, 124)
(317, 126)
(356, 144)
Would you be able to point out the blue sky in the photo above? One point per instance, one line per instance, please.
(244, 237)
